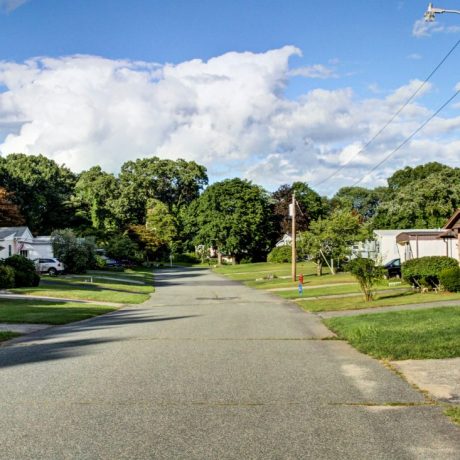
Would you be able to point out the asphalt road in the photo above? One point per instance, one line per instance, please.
(208, 369)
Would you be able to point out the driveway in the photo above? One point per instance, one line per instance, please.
(209, 369)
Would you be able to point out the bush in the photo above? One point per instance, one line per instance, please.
(77, 254)
(25, 274)
(450, 279)
(6, 277)
(425, 271)
(280, 255)
(187, 258)
(121, 247)
(367, 274)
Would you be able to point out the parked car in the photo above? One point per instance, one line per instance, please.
(393, 268)
(51, 266)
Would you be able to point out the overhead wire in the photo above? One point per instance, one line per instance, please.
(403, 143)
(380, 131)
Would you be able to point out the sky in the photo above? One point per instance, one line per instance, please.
(274, 91)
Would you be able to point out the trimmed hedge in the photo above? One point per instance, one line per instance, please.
(450, 279)
(425, 271)
(280, 255)
(24, 271)
(6, 277)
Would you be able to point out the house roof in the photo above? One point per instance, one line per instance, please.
(16, 232)
(425, 235)
(454, 221)
(404, 230)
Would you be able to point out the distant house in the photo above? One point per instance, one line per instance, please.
(286, 240)
(19, 240)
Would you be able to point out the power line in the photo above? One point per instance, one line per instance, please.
(409, 137)
(380, 131)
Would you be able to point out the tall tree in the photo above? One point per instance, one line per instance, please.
(175, 183)
(10, 215)
(311, 206)
(41, 188)
(359, 199)
(235, 217)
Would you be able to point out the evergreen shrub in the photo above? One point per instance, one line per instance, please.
(282, 254)
(450, 279)
(425, 271)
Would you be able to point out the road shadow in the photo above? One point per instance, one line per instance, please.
(60, 342)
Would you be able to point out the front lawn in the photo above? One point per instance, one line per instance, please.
(382, 300)
(95, 286)
(7, 335)
(417, 334)
(47, 312)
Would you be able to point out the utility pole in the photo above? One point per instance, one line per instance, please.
(293, 244)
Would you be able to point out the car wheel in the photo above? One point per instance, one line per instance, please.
(52, 271)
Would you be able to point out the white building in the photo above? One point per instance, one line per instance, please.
(19, 240)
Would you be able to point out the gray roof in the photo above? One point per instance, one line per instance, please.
(15, 231)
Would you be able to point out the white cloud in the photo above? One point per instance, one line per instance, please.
(313, 71)
(422, 28)
(228, 113)
(11, 5)
(414, 56)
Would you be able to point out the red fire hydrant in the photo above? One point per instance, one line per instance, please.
(301, 278)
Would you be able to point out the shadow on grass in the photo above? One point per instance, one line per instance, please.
(63, 341)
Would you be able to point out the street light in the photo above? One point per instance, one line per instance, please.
(431, 12)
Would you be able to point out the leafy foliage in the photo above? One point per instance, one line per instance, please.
(25, 274)
(280, 255)
(6, 277)
(10, 215)
(121, 247)
(425, 271)
(330, 238)
(77, 254)
(450, 279)
(235, 217)
(358, 199)
(367, 274)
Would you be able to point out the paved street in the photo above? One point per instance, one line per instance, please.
(208, 369)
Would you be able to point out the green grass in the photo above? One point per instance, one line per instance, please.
(47, 312)
(100, 289)
(453, 413)
(417, 334)
(382, 300)
(7, 335)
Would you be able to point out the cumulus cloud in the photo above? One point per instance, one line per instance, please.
(314, 71)
(10, 5)
(422, 28)
(229, 113)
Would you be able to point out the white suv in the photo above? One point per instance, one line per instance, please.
(51, 266)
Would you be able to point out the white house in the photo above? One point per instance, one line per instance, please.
(19, 240)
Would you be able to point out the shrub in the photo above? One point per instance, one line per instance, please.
(367, 274)
(6, 277)
(425, 271)
(77, 254)
(121, 247)
(187, 258)
(450, 279)
(25, 274)
(280, 255)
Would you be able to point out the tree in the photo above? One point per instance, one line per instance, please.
(426, 203)
(158, 233)
(174, 183)
(359, 199)
(235, 217)
(121, 247)
(41, 188)
(311, 206)
(10, 215)
(330, 238)
(77, 254)
(367, 274)
(408, 175)
(96, 199)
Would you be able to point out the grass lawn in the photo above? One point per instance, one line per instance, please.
(382, 300)
(47, 312)
(100, 289)
(7, 335)
(417, 334)
(453, 413)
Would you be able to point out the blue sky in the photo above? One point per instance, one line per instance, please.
(358, 57)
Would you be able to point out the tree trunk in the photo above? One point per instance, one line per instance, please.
(319, 268)
(219, 258)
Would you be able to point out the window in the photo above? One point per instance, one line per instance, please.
(9, 250)
(24, 253)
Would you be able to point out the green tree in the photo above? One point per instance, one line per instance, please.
(235, 217)
(422, 203)
(330, 238)
(96, 199)
(10, 215)
(174, 183)
(121, 247)
(359, 199)
(41, 188)
(311, 206)
(77, 254)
